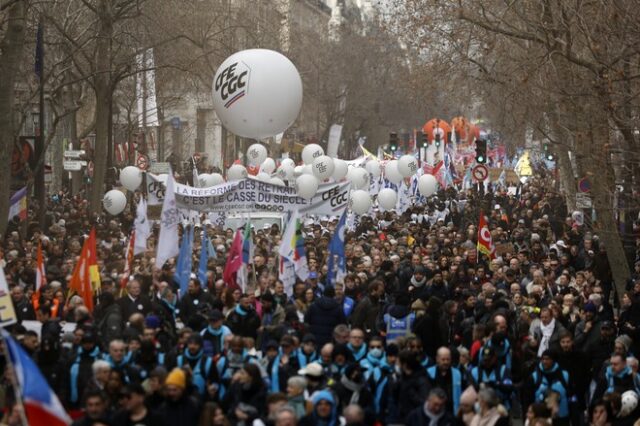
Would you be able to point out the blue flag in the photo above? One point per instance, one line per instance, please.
(204, 259)
(337, 267)
(183, 267)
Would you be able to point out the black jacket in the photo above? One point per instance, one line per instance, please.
(244, 325)
(128, 307)
(185, 411)
(323, 315)
(418, 418)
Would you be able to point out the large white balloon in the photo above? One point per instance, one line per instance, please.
(360, 201)
(358, 177)
(323, 167)
(340, 169)
(387, 198)
(215, 179)
(311, 152)
(298, 170)
(373, 167)
(288, 162)
(257, 93)
(237, 172)
(307, 185)
(391, 172)
(407, 165)
(114, 202)
(256, 154)
(268, 166)
(285, 171)
(203, 180)
(276, 181)
(427, 185)
(131, 177)
(264, 177)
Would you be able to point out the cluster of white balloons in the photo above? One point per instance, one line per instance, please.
(115, 201)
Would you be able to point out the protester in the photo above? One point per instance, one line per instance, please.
(425, 327)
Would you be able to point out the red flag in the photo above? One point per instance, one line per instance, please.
(41, 277)
(234, 262)
(128, 260)
(485, 243)
(81, 278)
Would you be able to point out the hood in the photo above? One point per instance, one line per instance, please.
(327, 304)
(399, 311)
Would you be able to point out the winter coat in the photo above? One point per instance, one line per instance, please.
(323, 315)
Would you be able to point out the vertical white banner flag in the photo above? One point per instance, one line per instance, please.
(143, 230)
(334, 140)
(168, 244)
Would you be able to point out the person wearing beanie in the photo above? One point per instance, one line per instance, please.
(467, 402)
(214, 334)
(549, 377)
(325, 412)
(203, 371)
(622, 345)
(179, 408)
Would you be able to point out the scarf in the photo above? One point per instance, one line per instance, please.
(547, 331)
(416, 283)
(354, 387)
(490, 418)
(360, 353)
(194, 357)
(213, 331)
(433, 418)
(240, 311)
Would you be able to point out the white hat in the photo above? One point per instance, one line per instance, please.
(313, 369)
(561, 243)
(266, 226)
(496, 207)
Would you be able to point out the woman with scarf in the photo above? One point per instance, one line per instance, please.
(491, 413)
(325, 411)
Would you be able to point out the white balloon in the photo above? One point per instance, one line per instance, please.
(360, 201)
(392, 173)
(215, 179)
(427, 185)
(114, 202)
(257, 93)
(340, 169)
(298, 170)
(203, 180)
(307, 185)
(285, 171)
(358, 177)
(288, 162)
(256, 153)
(131, 177)
(373, 167)
(264, 177)
(277, 181)
(237, 172)
(306, 170)
(268, 166)
(311, 152)
(323, 167)
(387, 198)
(407, 165)
(206, 180)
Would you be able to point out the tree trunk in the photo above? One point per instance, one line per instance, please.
(12, 50)
(103, 89)
(603, 182)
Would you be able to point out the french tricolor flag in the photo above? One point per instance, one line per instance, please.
(41, 405)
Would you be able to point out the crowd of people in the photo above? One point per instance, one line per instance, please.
(422, 330)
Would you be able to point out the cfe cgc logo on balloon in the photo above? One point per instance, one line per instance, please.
(233, 83)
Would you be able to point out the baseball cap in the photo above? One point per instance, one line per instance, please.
(312, 369)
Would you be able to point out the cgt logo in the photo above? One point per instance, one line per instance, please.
(232, 83)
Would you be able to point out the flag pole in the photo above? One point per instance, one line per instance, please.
(17, 391)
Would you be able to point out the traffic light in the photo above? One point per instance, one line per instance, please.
(393, 142)
(481, 151)
(548, 153)
(422, 139)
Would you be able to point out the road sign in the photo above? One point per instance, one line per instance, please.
(160, 168)
(74, 165)
(480, 172)
(74, 153)
(142, 162)
(584, 185)
(583, 201)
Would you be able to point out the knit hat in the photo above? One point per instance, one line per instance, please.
(625, 341)
(469, 396)
(176, 378)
